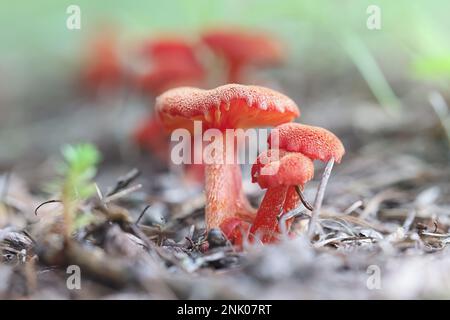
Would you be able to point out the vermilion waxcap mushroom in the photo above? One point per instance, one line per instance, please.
(317, 144)
(235, 230)
(151, 134)
(226, 107)
(174, 63)
(169, 49)
(104, 69)
(241, 49)
(287, 169)
(280, 175)
(314, 142)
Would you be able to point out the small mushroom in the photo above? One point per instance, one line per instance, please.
(317, 144)
(314, 142)
(227, 107)
(280, 175)
(241, 49)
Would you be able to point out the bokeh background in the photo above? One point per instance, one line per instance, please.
(332, 57)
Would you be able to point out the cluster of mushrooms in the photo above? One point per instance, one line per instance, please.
(179, 62)
(155, 65)
(236, 106)
(175, 63)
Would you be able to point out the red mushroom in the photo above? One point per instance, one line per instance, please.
(235, 229)
(240, 49)
(226, 107)
(170, 49)
(317, 144)
(174, 64)
(314, 142)
(150, 134)
(104, 69)
(280, 175)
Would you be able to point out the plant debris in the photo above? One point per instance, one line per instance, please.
(401, 225)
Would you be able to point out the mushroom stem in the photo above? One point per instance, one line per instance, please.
(291, 202)
(265, 225)
(224, 196)
(319, 197)
(220, 194)
(234, 72)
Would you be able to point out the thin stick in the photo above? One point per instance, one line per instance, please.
(409, 220)
(319, 198)
(124, 181)
(142, 214)
(44, 203)
(122, 193)
(353, 207)
(294, 213)
(303, 199)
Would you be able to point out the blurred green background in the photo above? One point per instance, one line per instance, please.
(320, 33)
(327, 40)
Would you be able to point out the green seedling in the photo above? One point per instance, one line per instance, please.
(75, 185)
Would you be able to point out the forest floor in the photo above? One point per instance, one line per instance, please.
(384, 223)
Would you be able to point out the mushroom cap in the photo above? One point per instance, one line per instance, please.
(288, 169)
(225, 107)
(314, 142)
(169, 47)
(103, 65)
(174, 64)
(172, 51)
(244, 47)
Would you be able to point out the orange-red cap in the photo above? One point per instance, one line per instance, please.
(287, 169)
(314, 142)
(228, 106)
(244, 47)
(161, 48)
(103, 66)
(174, 64)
